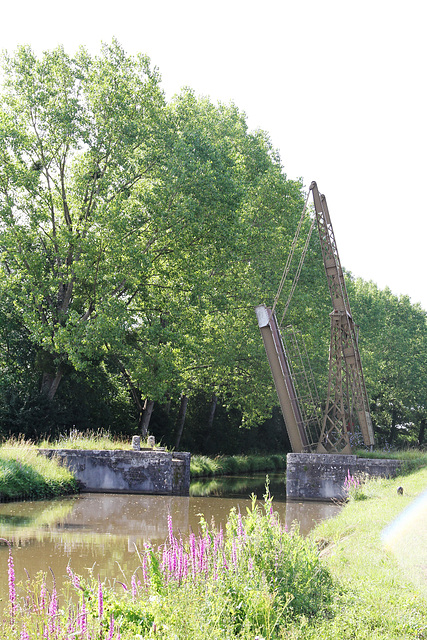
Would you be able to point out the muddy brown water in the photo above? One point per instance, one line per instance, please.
(103, 532)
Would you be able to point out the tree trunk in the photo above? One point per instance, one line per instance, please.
(421, 432)
(135, 393)
(181, 419)
(148, 410)
(50, 383)
(209, 424)
(394, 418)
(214, 402)
(168, 406)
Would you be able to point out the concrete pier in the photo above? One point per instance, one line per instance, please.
(127, 471)
(315, 476)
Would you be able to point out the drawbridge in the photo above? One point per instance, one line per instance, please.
(311, 426)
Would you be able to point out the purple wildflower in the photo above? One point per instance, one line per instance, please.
(111, 630)
(225, 565)
(170, 529)
(144, 571)
(52, 611)
(133, 587)
(351, 482)
(74, 578)
(240, 528)
(100, 599)
(220, 537)
(83, 619)
(24, 633)
(12, 589)
(192, 542)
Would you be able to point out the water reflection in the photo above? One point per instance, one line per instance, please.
(104, 531)
(230, 486)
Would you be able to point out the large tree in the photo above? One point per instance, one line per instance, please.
(393, 343)
(108, 201)
(200, 314)
(79, 138)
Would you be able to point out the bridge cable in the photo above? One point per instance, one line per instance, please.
(290, 256)
(298, 273)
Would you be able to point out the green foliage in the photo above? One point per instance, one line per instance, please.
(298, 580)
(393, 344)
(136, 235)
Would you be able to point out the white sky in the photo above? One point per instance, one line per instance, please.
(339, 86)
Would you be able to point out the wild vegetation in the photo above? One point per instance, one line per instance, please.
(25, 474)
(412, 457)
(136, 237)
(88, 440)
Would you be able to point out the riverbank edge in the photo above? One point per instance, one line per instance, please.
(205, 467)
(48, 484)
(23, 475)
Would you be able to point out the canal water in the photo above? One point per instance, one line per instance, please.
(103, 532)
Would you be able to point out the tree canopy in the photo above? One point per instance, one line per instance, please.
(393, 343)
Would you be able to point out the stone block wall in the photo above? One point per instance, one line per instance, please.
(316, 476)
(127, 471)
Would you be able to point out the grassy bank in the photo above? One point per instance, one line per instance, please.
(381, 567)
(96, 440)
(412, 458)
(26, 475)
(202, 466)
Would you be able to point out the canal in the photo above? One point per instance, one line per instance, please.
(103, 532)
